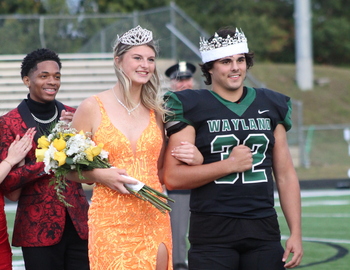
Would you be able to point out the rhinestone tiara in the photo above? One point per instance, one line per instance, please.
(136, 36)
(220, 47)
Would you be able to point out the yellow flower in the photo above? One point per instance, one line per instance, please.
(68, 135)
(59, 144)
(97, 149)
(43, 142)
(89, 154)
(60, 157)
(82, 133)
(92, 152)
(40, 154)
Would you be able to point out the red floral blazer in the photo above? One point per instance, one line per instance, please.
(40, 217)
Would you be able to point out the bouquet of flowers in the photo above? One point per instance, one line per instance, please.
(65, 150)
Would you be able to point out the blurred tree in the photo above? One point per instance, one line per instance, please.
(61, 35)
(110, 6)
(331, 31)
(21, 7)
(269, 25)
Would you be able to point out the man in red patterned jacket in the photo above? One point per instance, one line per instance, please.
(51, 235)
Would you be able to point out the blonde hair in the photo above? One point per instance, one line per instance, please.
(151, 91)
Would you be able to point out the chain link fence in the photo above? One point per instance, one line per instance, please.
(318, 152)
(326, 152)
(177, 33)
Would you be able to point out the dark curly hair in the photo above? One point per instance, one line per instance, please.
(31, 60)
(223, 32)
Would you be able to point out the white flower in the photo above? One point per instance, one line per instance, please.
(49, 161)
(75, 145)
(50, 137)
(104, 154)
(79, 157)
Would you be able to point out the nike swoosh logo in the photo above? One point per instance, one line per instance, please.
(261, 112)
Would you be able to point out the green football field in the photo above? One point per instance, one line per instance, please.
(326, 230)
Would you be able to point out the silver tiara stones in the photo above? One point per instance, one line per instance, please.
(218, 41)
(220, 47)
(136, 36)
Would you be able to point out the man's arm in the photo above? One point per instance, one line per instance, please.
(178, 175)
(289, 195)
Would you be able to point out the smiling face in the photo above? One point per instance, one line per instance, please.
(138, 63)
(44, 81)
(228, 73)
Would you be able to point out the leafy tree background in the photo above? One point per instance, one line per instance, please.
(269, 25)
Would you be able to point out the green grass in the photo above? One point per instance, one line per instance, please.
(325, 225)
(324, 105)
(327, 104)
(17, 252)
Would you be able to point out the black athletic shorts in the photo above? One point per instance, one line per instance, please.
(225, 243)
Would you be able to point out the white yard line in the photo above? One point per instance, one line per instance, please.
(322, 193)
(335, 215)
(19, 264)
(325, 193)
(323, 240)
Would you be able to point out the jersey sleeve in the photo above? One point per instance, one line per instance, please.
(174, 118)
(287, 121)
(283, 105)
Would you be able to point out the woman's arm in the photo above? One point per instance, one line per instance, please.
(188, 153)
(87, 118)
(17, 151)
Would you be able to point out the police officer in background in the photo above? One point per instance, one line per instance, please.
(181, 75)
(181, 78)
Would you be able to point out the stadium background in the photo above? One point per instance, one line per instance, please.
(320, 151)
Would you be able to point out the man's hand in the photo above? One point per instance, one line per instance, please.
(66, 116)
(294, 246)
(241, 158)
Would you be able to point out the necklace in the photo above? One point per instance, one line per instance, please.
(48, 121)
(126, 108)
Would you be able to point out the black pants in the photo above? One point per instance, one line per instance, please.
(247, 254)
(71, 253)
(225, 243)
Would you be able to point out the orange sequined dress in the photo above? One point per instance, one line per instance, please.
(124, 231)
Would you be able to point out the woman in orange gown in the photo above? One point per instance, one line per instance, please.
(124, 231)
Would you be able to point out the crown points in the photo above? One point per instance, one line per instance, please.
(218, 42)
(219, 47)
(136, 36)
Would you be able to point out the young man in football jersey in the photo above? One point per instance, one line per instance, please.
(241, 133)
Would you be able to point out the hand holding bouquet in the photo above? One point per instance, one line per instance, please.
(65, 150)
(149, 194)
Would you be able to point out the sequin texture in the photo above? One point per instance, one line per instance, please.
(124, 231)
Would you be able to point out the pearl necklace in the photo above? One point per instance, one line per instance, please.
(126, 108)
(48, 121)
